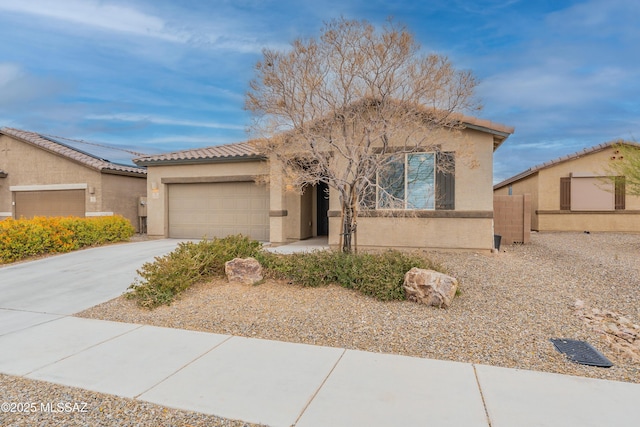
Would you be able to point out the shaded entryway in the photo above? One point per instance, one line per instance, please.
(322, 209)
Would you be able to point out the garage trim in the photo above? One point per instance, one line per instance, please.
(210, 179)
(48, 187)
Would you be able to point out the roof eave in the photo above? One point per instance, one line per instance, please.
(141, 174)
(519, 177)
(170, 162)
(498, 136)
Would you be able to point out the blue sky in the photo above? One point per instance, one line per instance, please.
(166, 75)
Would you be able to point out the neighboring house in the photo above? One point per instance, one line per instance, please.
(574, 193)
(50, 176)
(229, 189)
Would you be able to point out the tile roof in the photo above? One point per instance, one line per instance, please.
(83, 157)
(245, 150)
(534, 169)
(227, 152)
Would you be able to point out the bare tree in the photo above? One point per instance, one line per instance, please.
(344, 108)
(624, 167)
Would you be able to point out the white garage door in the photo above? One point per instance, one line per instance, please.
(218, 210)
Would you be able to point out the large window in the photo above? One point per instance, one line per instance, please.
(416, 181)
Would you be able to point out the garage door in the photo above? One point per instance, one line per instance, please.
(218, 210)
(50, 203)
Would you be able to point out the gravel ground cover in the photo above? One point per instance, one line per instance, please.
(511, 304)
(41, 404)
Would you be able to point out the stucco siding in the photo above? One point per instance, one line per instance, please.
(573, 221)
(473, 193)
(474, 171)
(529, 186)
(120, 194)
(414, 233)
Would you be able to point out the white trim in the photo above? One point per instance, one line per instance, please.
(98, 214)
(48, 187)
(8, 214)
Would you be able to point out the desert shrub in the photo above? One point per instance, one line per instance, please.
(23, 238)
(99, 230)
(161, 280)
(379, 275)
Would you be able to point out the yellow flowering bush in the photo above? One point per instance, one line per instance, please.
(23, 238)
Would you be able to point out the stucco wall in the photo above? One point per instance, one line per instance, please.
(529, 186)
(120, 195)
(574, 221)
(470, 225)
(29, 165)
(594, 163)
(414, 233)
(474, 171)
(157, 221)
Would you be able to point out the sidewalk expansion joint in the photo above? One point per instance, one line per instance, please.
(182, 367)
(84, 349)
(484, 404)
(315, 393)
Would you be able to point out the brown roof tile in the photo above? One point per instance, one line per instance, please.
(534, 169)
(83, 158)
(235, 151)
(245, 150)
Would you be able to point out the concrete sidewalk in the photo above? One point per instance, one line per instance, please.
(259, 381)
(285, 384)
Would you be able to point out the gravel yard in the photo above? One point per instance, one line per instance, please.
(510, 305)
(81, 408)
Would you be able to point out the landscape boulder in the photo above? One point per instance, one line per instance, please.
(247, 271)
(429, 287)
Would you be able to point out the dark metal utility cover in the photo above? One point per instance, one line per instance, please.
(581, 352)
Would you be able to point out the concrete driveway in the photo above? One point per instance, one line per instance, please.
(72, 282)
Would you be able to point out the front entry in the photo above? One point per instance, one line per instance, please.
(322, 203)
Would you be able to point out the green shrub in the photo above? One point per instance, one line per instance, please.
(23, 238)
(378, 275)
(166, 277)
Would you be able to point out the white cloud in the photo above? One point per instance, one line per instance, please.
(210, 32)
(142, 118)
(92, 13)
(18, 87)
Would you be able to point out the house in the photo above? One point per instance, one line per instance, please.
(50, 176)
(229, 189)
(574, 193)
